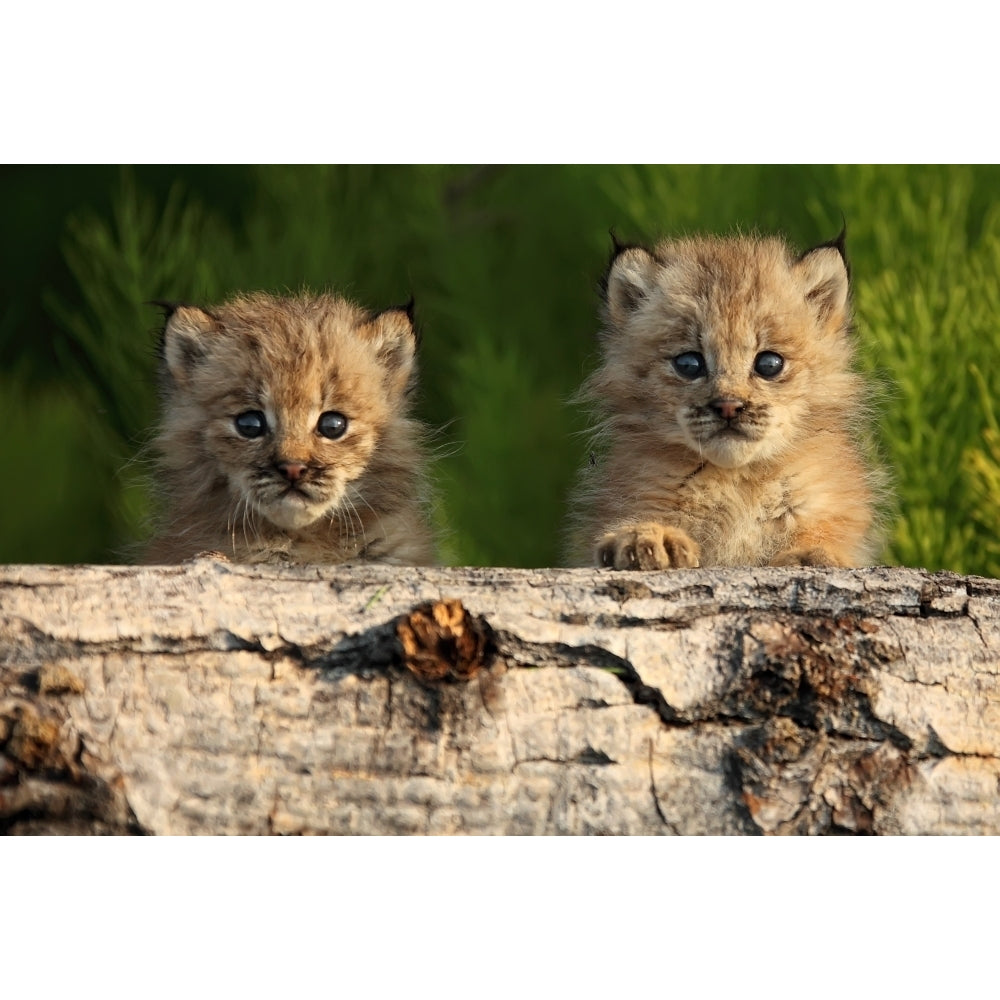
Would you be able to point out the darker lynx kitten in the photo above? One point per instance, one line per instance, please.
(286, 434)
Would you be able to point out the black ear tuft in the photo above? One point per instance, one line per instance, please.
(169, 307)
(838, 243)
(616, 244)
(409, 309)
(617, 249)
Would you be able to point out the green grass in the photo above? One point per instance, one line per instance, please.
(504, 263)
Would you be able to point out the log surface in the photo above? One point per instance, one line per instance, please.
(223, 699)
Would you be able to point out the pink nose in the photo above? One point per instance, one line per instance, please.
(728, 409)
(292, 471)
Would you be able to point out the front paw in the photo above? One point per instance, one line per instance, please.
(805, 557)
(648, 546)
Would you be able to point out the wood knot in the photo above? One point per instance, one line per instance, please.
(442, 641)
(34, 741)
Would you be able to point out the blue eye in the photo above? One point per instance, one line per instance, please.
(332, 425)
(690, 365)
(251, 424)
(768, 364)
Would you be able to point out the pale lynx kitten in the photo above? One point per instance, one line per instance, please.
(286, 434)
(731, 418)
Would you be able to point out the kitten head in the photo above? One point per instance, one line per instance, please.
(730, 347)
(281, 402)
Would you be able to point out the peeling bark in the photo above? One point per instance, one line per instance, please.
(217, 698)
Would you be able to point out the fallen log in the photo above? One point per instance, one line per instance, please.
(225, 699)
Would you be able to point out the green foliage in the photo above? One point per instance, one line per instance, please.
(982, 466)
(55, 503)
(927, 295)
(120, 266)
(107, 351)
(504, 263)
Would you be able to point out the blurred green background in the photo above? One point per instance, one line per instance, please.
(504, 263)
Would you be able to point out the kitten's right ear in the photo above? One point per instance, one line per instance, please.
(826, 280)
(630, 278)
(395, 337)
(182, 344)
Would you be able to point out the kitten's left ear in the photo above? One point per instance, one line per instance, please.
(186, 331)
(826, 281)
(395, 338)
(630, 277)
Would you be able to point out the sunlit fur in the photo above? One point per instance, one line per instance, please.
(673, 483)
(360, 497)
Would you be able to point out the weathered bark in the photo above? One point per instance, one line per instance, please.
(215, 698)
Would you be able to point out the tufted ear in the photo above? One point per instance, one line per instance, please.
(825, 280)
(394, 337)
(630, 278)
(183, 344)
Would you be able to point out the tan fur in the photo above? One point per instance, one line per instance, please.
(673, 481)
(358, 497)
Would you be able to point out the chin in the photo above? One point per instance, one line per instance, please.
(731, 452)
(292, 513)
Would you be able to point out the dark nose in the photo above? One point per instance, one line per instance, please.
(292, 471)
(728, 409)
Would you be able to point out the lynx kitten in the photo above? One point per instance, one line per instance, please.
(285, 434)
(730, 412)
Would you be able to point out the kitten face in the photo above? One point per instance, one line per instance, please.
(729, 388)
(722, 346)
(283, 401)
